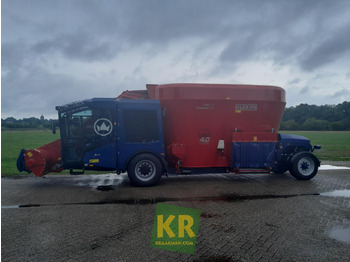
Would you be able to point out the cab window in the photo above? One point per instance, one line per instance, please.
(141, 126)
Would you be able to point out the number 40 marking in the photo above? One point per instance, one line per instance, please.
(205, 139)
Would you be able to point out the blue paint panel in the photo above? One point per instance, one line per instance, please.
(105, 155)
(108, 103)
(294, 140)
(253, 154)
(126, 149)
(20, 162)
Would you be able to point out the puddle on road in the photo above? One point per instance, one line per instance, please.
(337, 193)
(105, 187)
(151, 201)
(10, 206)
(340, 233)
(330, 167)
(103, 182)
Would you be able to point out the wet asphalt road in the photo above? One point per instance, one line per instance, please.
(256, 217)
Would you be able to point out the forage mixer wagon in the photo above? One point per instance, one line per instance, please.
(175, 128)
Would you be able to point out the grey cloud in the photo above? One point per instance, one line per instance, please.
(343, 92)
(38, 92)
(13, 55)
(298, 33)
(307, 89)
(294, 31)
(329, 50)
(81, 46)
(163, 21)
(294, 81)
(304, 90)
(96, 30)
(240, 50)
(79, 30)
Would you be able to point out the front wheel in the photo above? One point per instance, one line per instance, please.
(145, 170)
(304, 166)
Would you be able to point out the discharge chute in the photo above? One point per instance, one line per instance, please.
(42, 160)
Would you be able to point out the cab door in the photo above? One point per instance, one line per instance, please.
(83, 130)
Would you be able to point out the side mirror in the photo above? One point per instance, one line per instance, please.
(54, 125)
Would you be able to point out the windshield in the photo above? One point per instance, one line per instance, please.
(76, 124)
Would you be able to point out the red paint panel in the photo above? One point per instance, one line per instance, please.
(199, 115)
(45, 159)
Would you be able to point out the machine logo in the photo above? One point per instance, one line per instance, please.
(103, 127)
(245, 107)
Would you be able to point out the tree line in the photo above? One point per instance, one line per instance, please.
(300, 117)
(26, 123)
(317, 118)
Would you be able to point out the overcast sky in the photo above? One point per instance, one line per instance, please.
(55, 52)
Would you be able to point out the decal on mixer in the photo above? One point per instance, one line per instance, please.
(246, 107)
(204, 137)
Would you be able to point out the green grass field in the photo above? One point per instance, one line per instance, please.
(13, 141)
(335, 145)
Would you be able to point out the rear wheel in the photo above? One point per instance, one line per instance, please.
(145, 170)
(304, 166)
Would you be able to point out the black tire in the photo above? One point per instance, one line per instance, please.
(304, 166)
(145, 170)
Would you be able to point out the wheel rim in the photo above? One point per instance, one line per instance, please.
(306, 166)
(145, 170)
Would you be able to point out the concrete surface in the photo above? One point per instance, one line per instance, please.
(256, 217)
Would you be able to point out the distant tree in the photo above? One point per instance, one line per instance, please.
(314, 124)
(312, 117)
(290, 125)
(31, 122)
(338, 126)
(9, 120)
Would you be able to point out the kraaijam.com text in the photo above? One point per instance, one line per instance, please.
(174, 243)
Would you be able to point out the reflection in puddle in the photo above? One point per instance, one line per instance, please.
(340, 234)
(329, 167)
(103, 182)
(10, 206)
(337, 193)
